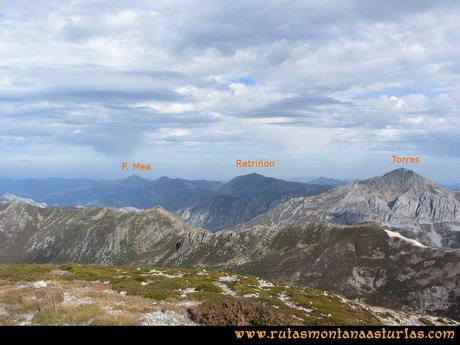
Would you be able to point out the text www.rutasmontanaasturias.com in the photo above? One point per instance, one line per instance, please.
(339, 333)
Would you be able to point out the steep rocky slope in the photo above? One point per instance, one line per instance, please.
(89, 235)
(92, 295)
(402, 199)
(365, 262)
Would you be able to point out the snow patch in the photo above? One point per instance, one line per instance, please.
(394, 234)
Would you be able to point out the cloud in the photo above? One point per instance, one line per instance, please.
(306, 106)
(126, 78)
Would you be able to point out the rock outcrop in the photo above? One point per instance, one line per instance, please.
(401, 199)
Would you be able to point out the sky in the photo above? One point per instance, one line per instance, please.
(323, 88)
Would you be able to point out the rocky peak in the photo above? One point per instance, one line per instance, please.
(401, 199)
(404, 177)
(399, 181)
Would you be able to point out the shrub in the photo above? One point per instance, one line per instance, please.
(238, 311)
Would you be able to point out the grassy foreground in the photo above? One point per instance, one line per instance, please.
(100, 295)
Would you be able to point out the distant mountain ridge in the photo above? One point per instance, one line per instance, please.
(401, 199)
(319, 180)
(362, 262)
(209, 204)
(133, 191)
(243, 198)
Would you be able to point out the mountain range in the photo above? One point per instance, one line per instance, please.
(389, 241)
(244, 197)
(401, 199)
(209, 204)
(364, 262)
(134, 191)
